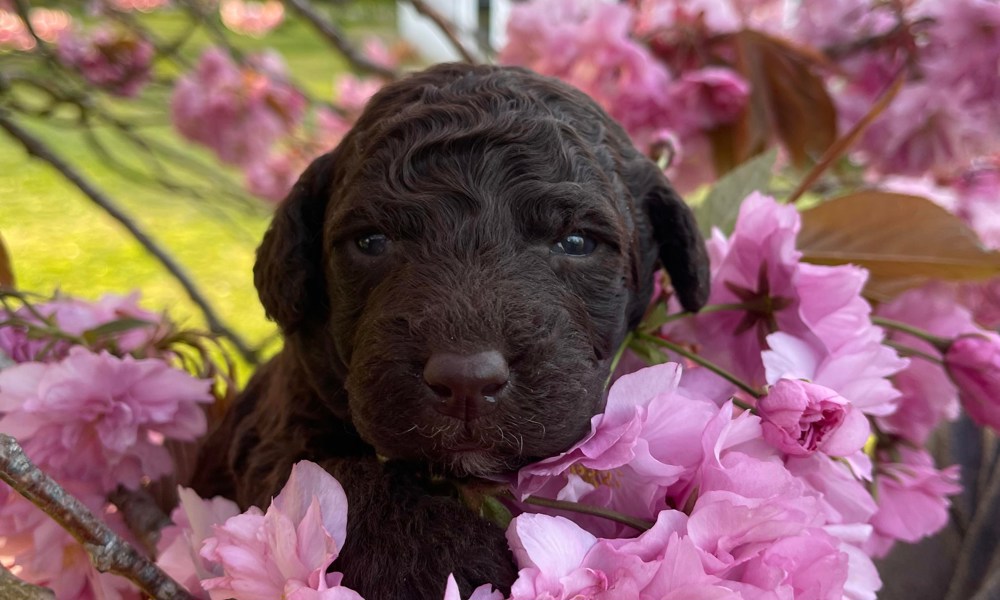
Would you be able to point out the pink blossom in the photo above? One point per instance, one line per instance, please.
(912, 498)
(559, 560)
(927, 128)
(978, 192)
(13, 33)
(859, 370)
(483, 592)
(284, 552)
(352, 93)
(928, 397)
(647, 440)
(180, 542)
(41, 552)
(810, 565)
(139, 5)
(48, 24)
(111, 59)
(841, 494)
(758, 270)
(963, 48)
(252, 18)
(983, 300)
(81, 318)
(376, 51)
(101, 418)
(800, 418)
(822, 23)
(274, 177)
(708, 98)
(973, 362)
(237, 111)
(588, 44)
(721, 16)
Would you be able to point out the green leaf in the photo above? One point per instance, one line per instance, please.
(651, 354)
(722, 204)
(495, 512)
(112, 327)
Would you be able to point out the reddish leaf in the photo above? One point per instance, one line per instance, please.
(788, 100)
(902, 240)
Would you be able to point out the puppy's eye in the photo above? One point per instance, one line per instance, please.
(574, 244)
(373, 244)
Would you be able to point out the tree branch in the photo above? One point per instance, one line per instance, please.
(12, 588)
(108, 552)
(38, 149)
(446, 27)
(338, 40)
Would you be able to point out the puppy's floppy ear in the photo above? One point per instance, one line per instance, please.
(681, 247)
(289, 272)
(667, 234)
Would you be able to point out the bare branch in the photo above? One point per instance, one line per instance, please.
(338, 40)
(37, 148)
(12, 588)
(446, 27)
(108, 552)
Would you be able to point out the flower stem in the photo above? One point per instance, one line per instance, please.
(707, 309)
(586, 509)
(711, 366)
(908, 351)
(618, 356)
(940, 343)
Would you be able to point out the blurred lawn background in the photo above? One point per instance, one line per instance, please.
(58, 239)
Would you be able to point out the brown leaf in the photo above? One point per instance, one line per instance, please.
(787, 100)
(902, 240)
(6, 268)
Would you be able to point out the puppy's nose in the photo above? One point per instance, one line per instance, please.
(466, 384)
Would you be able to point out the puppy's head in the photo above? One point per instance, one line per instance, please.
(467, 262)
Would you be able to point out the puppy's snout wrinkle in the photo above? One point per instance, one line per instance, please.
(466, 385)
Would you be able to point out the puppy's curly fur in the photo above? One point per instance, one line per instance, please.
(472, 174)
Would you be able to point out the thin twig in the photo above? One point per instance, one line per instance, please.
(12, 588)
(21, 6)
(842, 144)
(711, 366)
(907, 351)
(940, 343)
(108, 552)
(586, 509)
(338, 40)
(446, 27)
(38, 149)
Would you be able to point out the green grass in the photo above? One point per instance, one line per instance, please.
(58, 239)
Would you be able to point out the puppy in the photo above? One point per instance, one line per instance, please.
(452, 282)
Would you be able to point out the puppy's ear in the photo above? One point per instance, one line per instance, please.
(681, 247)
(667, 235)
(288, 272)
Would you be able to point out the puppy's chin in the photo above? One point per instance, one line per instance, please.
(476, 463)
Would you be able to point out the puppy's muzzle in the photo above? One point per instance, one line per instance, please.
(466, 386)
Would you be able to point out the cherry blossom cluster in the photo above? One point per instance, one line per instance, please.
(255, 19)
(92, 399)
(48, 24)
(656, 66)
(110, 58)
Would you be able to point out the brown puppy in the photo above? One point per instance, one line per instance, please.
(452, 282)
